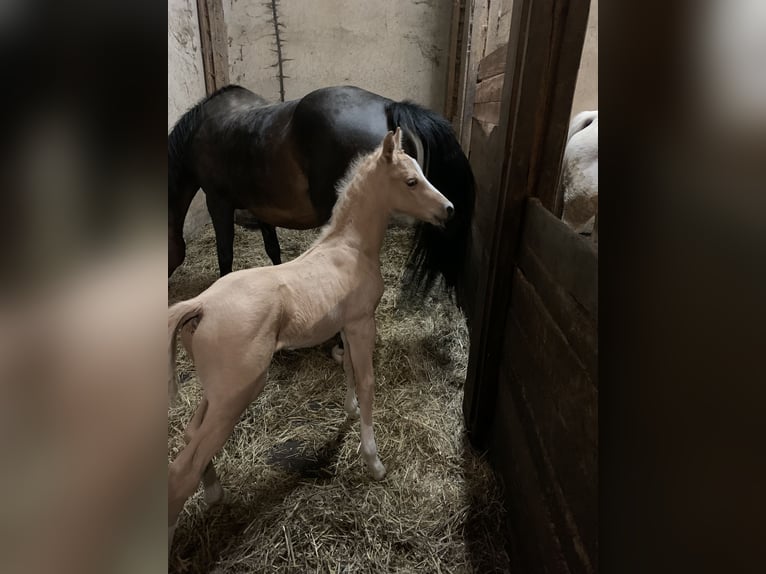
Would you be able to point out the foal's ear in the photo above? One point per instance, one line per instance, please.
(389, 145)
(398, 138)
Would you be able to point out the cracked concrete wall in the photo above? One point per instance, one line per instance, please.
(186, 82)
(397, 48)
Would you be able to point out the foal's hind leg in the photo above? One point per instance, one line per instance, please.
(360, 338)
(210, 482)
(222, 213)
(213, 490)
(218, 419)
(271, 242)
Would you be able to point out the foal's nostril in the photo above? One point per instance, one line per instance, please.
(450, 211)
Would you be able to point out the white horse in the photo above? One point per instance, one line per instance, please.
(579, 174)
(232, 329)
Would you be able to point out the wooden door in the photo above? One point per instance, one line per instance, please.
(520, 109)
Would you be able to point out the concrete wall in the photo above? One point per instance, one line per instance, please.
(586, 92)
(186, 82)
(398, 48)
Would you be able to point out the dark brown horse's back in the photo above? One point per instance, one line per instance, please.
(332, 126)
(282, 162)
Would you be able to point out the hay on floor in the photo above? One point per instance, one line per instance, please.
(298, 495)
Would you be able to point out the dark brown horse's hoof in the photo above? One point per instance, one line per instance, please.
(246, 219)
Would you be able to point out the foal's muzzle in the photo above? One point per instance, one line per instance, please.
(447, 212)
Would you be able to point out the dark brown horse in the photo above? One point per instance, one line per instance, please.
(282, 162)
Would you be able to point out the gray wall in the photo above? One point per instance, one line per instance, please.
(186, 82)
(398, 48)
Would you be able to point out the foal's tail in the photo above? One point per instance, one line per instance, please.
(178, 314)
(437, 251)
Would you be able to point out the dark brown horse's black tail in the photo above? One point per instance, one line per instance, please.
(182, 185)
(438, 251)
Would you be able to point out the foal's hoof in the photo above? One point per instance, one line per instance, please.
(337, 354)
(214, 495)
(353, 414)
(377, 470)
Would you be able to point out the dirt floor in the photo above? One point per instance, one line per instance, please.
(298, 495)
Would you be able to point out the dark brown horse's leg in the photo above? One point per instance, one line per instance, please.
(176, 248)
(271, 242)
(222, 213)
(180, 195)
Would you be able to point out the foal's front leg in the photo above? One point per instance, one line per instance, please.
(360, 339)
(351, 405)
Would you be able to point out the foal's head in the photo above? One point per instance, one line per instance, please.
(408, 190)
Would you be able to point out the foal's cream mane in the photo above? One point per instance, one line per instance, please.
(356, 168)
(347, 189)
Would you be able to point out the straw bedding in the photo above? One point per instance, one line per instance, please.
(298, 495)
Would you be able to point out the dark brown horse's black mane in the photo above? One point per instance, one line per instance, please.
(437, 251)
(239, 150)
(184, 130)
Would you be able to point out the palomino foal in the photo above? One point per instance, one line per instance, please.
(233, 328)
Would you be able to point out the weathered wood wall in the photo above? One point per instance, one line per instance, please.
(530, 284)
(544, 442)
(485, 27)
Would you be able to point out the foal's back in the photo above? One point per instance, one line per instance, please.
(300, 303)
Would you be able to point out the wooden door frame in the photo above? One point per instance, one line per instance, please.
(541, 67)
(213, 44)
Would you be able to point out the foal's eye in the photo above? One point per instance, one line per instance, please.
(412, 182)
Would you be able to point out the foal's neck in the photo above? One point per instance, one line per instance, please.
(361, 216)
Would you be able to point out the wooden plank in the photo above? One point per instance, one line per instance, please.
(493, 64)
(562, 25)
(206, 48)
(484, 352)
(489, 90)
(478, 39)
(454, 58)
(504, 21)
(499, 24)
(488, 112)
(562, 426)
(534, 544)
(563, 397)
(579, 327)
(483, 140)
(572, 505)
(465, 42)
(571, 259)
(483, 358)
(537, 90)
(220, 43)
(213, 44)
